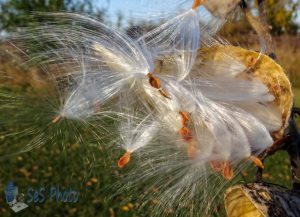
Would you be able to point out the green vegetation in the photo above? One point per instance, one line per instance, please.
(281, 16)
(73, 167)
(17, 13)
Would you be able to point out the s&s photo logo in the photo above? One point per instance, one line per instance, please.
(36, 196)
(13, 199)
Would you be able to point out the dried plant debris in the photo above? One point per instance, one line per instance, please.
(261, 201)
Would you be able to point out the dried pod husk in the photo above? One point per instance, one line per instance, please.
(221, 8)
(259, 200)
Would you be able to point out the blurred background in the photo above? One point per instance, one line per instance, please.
(90, 175)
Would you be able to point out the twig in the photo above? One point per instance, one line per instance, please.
(293, 149)
(260, 25)
(291, 144)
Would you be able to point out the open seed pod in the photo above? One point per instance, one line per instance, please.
(258, 200)
(239, 63)
(221, 8)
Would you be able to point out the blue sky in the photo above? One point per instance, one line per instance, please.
(139, 9)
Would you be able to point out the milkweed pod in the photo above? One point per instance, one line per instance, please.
(177, 39)
(267, 72)
(221, 8)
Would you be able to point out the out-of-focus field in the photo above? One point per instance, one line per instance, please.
(50, 166)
